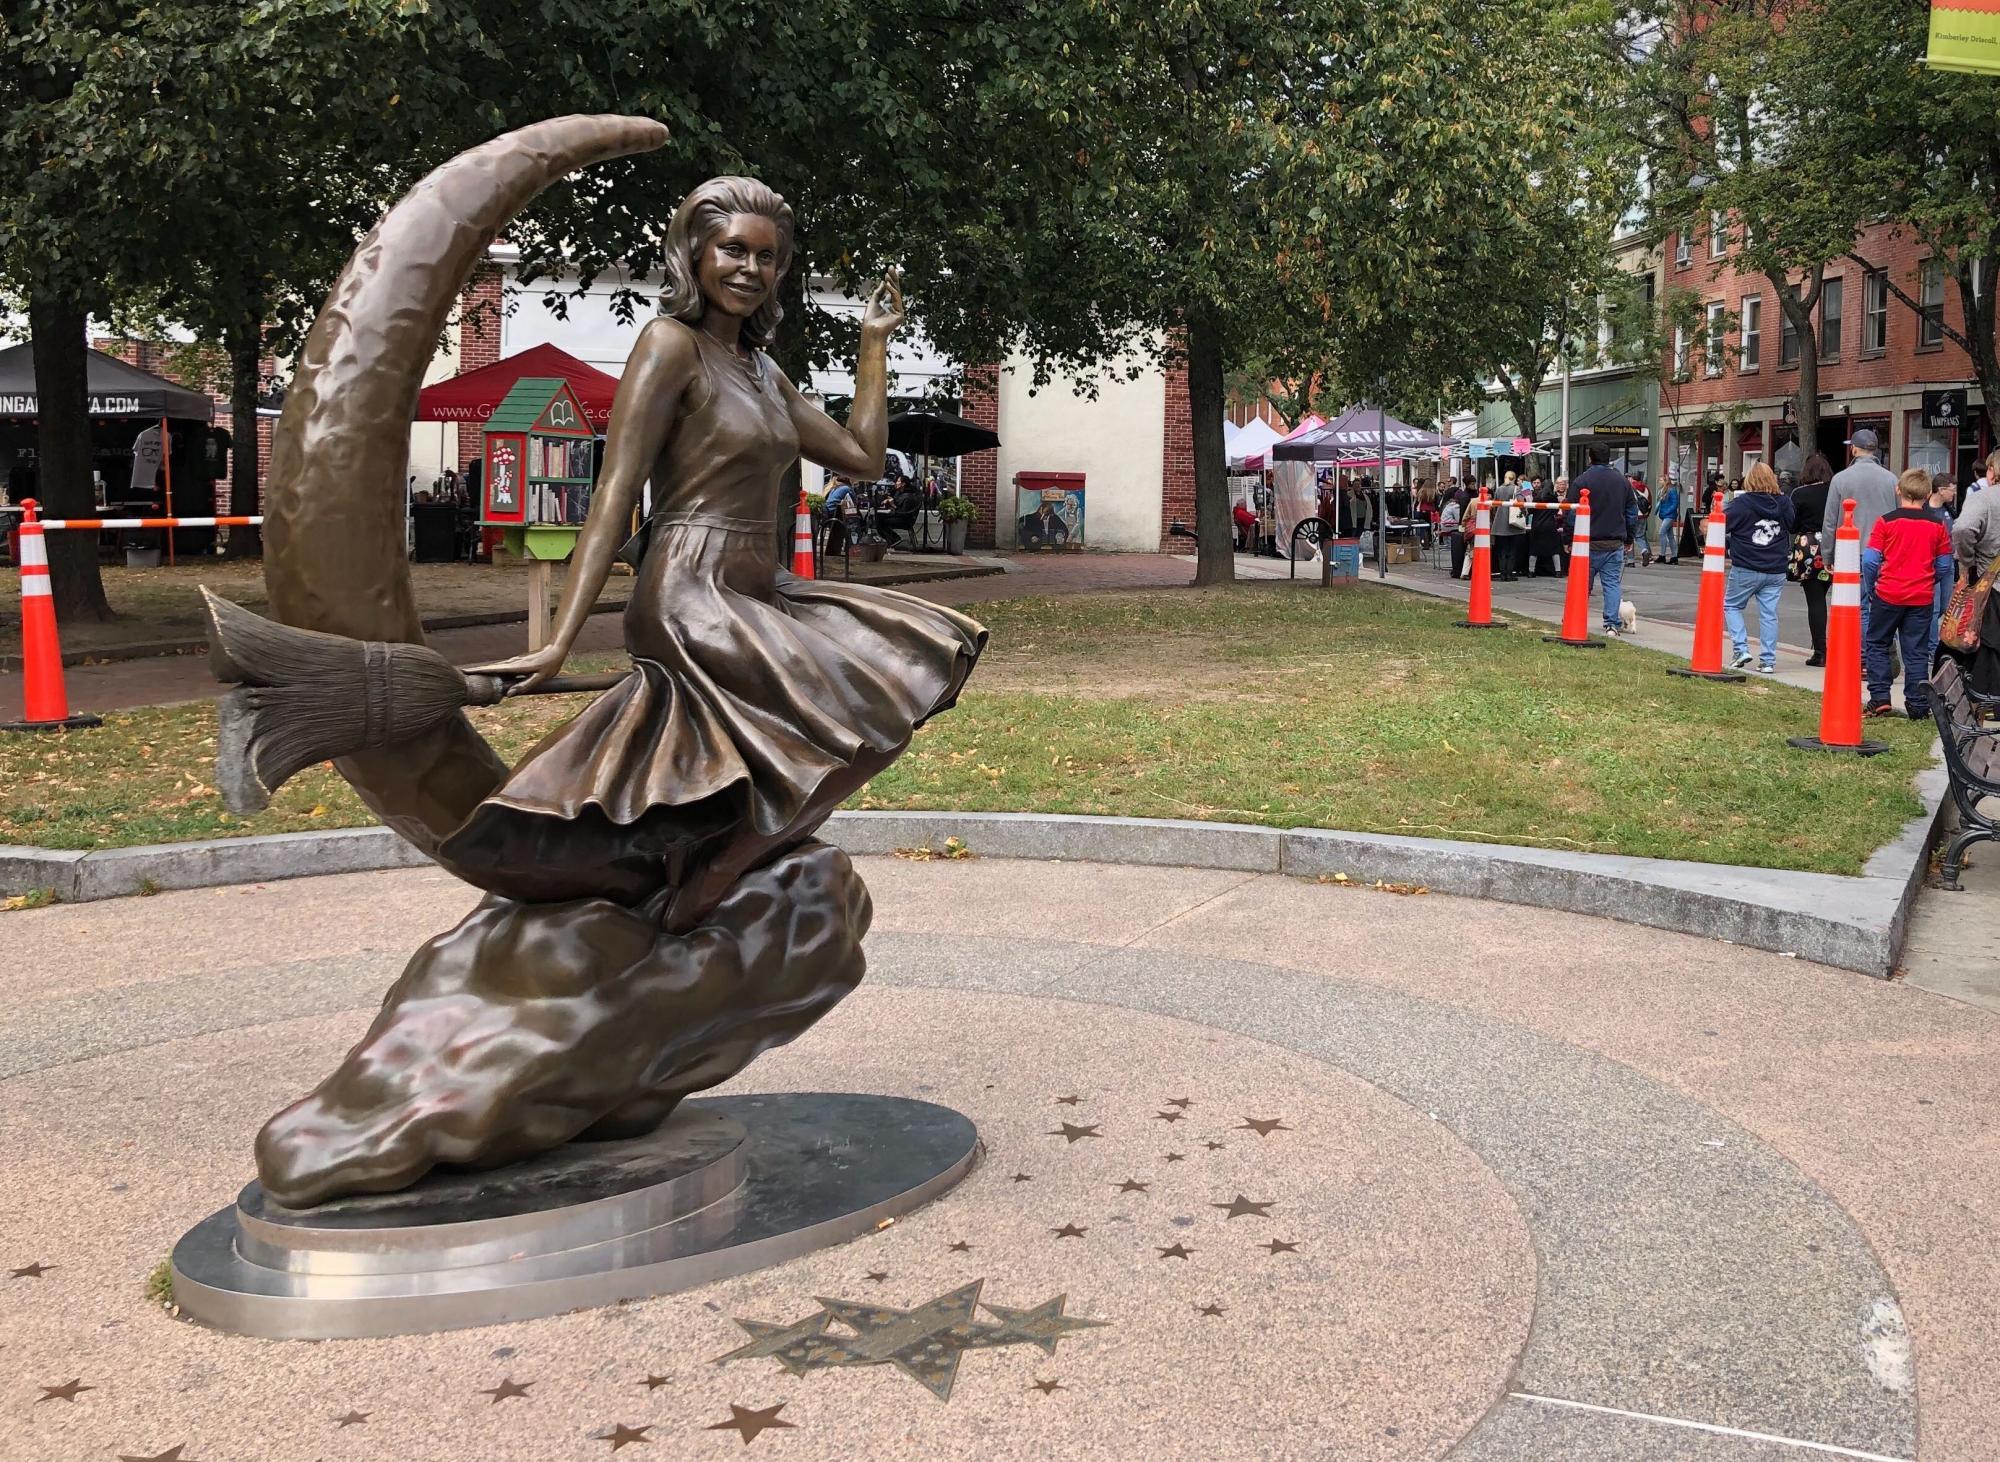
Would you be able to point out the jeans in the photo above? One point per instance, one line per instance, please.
(1608, 564)
(1669, 535)
(1909, 626)
(1765, 588)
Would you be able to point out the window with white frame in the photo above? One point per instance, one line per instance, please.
(1930, 295)
(1874, 312)
(1711, 346)
(1680, 352)
(1683, 250)
(1788, 333)
(1718, 233)
(1750, 334)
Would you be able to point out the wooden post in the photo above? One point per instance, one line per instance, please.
(540, 572)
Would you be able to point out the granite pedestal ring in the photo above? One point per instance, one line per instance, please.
(726, 1186)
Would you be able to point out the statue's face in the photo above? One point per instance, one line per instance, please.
(738, 266)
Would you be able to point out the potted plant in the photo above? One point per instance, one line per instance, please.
(958, 513)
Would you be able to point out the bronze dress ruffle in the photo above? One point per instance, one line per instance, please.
(759, 702)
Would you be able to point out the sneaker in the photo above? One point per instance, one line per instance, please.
(1612, 631)
(1741, 662)
(1881, 708)
(1767, 670)
(1920, 713)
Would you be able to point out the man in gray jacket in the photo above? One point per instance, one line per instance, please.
(1975, 537)
(1870, 486)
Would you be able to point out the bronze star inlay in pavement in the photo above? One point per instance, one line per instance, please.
(1175, 1251)
(1174, 1116)
(1263, 1126)
(959, 1246)
(1241, 1207)
(1181, 1102)
(32, 1271)
(1047, 1387)
(67, 1391)
(172, 1454)
(877, 1276)
(1069, 1231)
(1071, 1133)
(1132, 1185)
(1068, 1101)
(925, 1343)
(1279, 1246)
(652, 1383)
(353, 1418)
(622, 1436)
(749, 1421)
(1212, 1310)
(508, 1387)
(1022, 1178)
(1173, 1157)
(1213, 1146)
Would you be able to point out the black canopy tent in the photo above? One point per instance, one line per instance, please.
(1363, 436)
(123, 401)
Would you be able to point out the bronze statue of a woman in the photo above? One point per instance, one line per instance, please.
(657, 910)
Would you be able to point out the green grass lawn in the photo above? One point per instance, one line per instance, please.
(1361, 709)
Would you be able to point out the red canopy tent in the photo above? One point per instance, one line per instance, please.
(471, 397)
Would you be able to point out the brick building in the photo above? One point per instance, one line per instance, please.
(1727, 383)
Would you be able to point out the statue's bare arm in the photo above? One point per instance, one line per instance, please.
(856, 449)
(642, 414)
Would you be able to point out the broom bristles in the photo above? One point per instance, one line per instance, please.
(304, 696)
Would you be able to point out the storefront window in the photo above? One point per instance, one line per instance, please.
(1930, 447)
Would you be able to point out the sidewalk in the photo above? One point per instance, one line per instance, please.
(163, 680)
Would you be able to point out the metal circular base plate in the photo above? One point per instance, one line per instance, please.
(1583, 644)
(728, 1185)
(1731, 676)
(68, 723)
(1813, 743)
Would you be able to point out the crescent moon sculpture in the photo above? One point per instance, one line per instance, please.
(657, 911)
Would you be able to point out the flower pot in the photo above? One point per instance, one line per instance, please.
(954, 535)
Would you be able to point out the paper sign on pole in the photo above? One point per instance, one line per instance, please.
(1965, 36)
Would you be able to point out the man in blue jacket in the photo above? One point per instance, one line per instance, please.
(1614, 514)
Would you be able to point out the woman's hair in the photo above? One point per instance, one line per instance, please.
(1761, 479)
(703, 214)
(1817, 469)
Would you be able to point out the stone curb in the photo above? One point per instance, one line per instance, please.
(1855, 923)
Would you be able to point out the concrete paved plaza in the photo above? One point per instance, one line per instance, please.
(1340, 1174)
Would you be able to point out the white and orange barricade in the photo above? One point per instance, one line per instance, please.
(44, 696)
(802, 539)
(1705, 663)
(1479, 612)
(1840, 692)
(1576, 594)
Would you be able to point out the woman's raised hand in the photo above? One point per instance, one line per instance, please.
(885, 305)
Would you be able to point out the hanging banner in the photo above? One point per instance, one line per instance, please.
(1965, 36)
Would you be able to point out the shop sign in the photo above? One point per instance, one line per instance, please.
(1943, 409)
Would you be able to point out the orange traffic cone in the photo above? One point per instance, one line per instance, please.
(802, 539)
(44, 699)
(1706, 662)
(1576, 596)
(1479, 613)
(1840, 692)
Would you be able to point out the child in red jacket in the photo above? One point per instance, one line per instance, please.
(1906, 572)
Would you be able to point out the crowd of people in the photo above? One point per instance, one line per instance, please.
(889, 508)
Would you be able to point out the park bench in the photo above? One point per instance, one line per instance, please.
(1972, 757)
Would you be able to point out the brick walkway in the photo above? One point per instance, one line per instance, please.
(167, 679)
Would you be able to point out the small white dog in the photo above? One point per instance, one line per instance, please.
(1628, 617)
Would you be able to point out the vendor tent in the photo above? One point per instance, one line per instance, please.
(1312, 422)
(113, 388)
(1249, 442)
(1361, 432)
(472, 396)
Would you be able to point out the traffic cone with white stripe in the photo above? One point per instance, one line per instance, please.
(802, 539)
(1706, 661)
(1840, 692)
(1479, 613)
(44, 699)
(1576, 597)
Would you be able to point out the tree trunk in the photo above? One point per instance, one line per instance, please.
(1521, 401)
(1979, 337)
(1215, 548)
(1798, 309)
(245, 345)
(62, 444)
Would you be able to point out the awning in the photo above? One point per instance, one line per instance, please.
(1310, 423)
(1250, 441)
(112, 387)
(1359, 432)
(472, 396)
